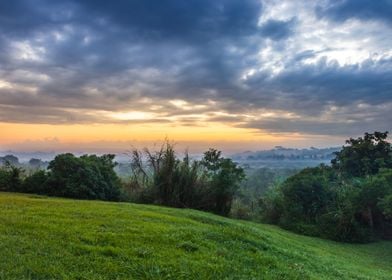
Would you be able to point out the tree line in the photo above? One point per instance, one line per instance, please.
(85, 177)
(159, 177)
(351, 200)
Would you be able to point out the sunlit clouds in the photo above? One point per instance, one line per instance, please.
(241, 74)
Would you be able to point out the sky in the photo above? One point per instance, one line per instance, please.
(98, 75)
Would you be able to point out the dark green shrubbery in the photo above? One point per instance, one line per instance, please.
(249, 201)
(350, 201)
(10, 177)
(158, 177)
(364, 156)
(85, 177)
(36, 183)
(162, 178)
(385, 205)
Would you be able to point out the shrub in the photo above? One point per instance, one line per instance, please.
(271, 205)
(223, 177)
(385, 205)
(10, 177)
(306, 194)
(350, 201)
(36, 183)
(239, 210)
(85, 177)
(162, 178)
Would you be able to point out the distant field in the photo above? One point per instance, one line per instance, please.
(46, 238)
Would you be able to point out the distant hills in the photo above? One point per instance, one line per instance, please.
(282, 153)
(281, 157)
(24, 157)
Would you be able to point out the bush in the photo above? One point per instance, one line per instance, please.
(339, 222)
(271, 205)
(85, 177)
(10, 177)
(36, 183)
(161, 178)
(306, 195)
(239, 210)
(350, 201)
(385, 205)
(223, 177)
(164, 179)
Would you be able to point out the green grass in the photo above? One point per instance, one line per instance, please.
(47, 238)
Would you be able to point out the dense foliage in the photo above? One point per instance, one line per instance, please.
(9, 159)
(364, 156)
(350, 201)
(85, 177)
(257, 182)
(157, 177)
(10, 177)
(162, 178)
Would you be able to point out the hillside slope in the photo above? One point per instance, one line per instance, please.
(46, 238)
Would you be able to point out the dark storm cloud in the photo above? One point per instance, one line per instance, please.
(277, 29)
(192, 20)
(362, 9)
(322, 128)
(328, 82)
(18, 18)
(38, 115)
(65, 60)
(110, 46)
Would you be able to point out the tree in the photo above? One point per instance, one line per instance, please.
(372, 190)
(35, 163)
(385, 205)
(339, 220)
(364, 156)
(85, 177)
(306, 195)
(10, 177)
(11, 159)
(36, 183)
(350, 201)
(224, 178)
(165, 179)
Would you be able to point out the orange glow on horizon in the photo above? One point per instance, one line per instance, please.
(119, 137)
(119, 132)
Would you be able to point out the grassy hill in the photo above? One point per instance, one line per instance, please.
(46, 238)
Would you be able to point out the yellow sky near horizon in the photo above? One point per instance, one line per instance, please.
(119, 136)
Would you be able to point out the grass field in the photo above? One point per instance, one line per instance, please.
(46, 238)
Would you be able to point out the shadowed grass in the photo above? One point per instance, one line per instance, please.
(47, 238)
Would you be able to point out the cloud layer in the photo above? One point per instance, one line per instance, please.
(313, 67)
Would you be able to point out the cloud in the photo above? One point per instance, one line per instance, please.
(277, 29)
(326, 82)
(229, 61)
(353, 119)
(361, 9)
(192, 20)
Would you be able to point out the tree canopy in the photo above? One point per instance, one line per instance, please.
(365, 155)
(349, 201)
